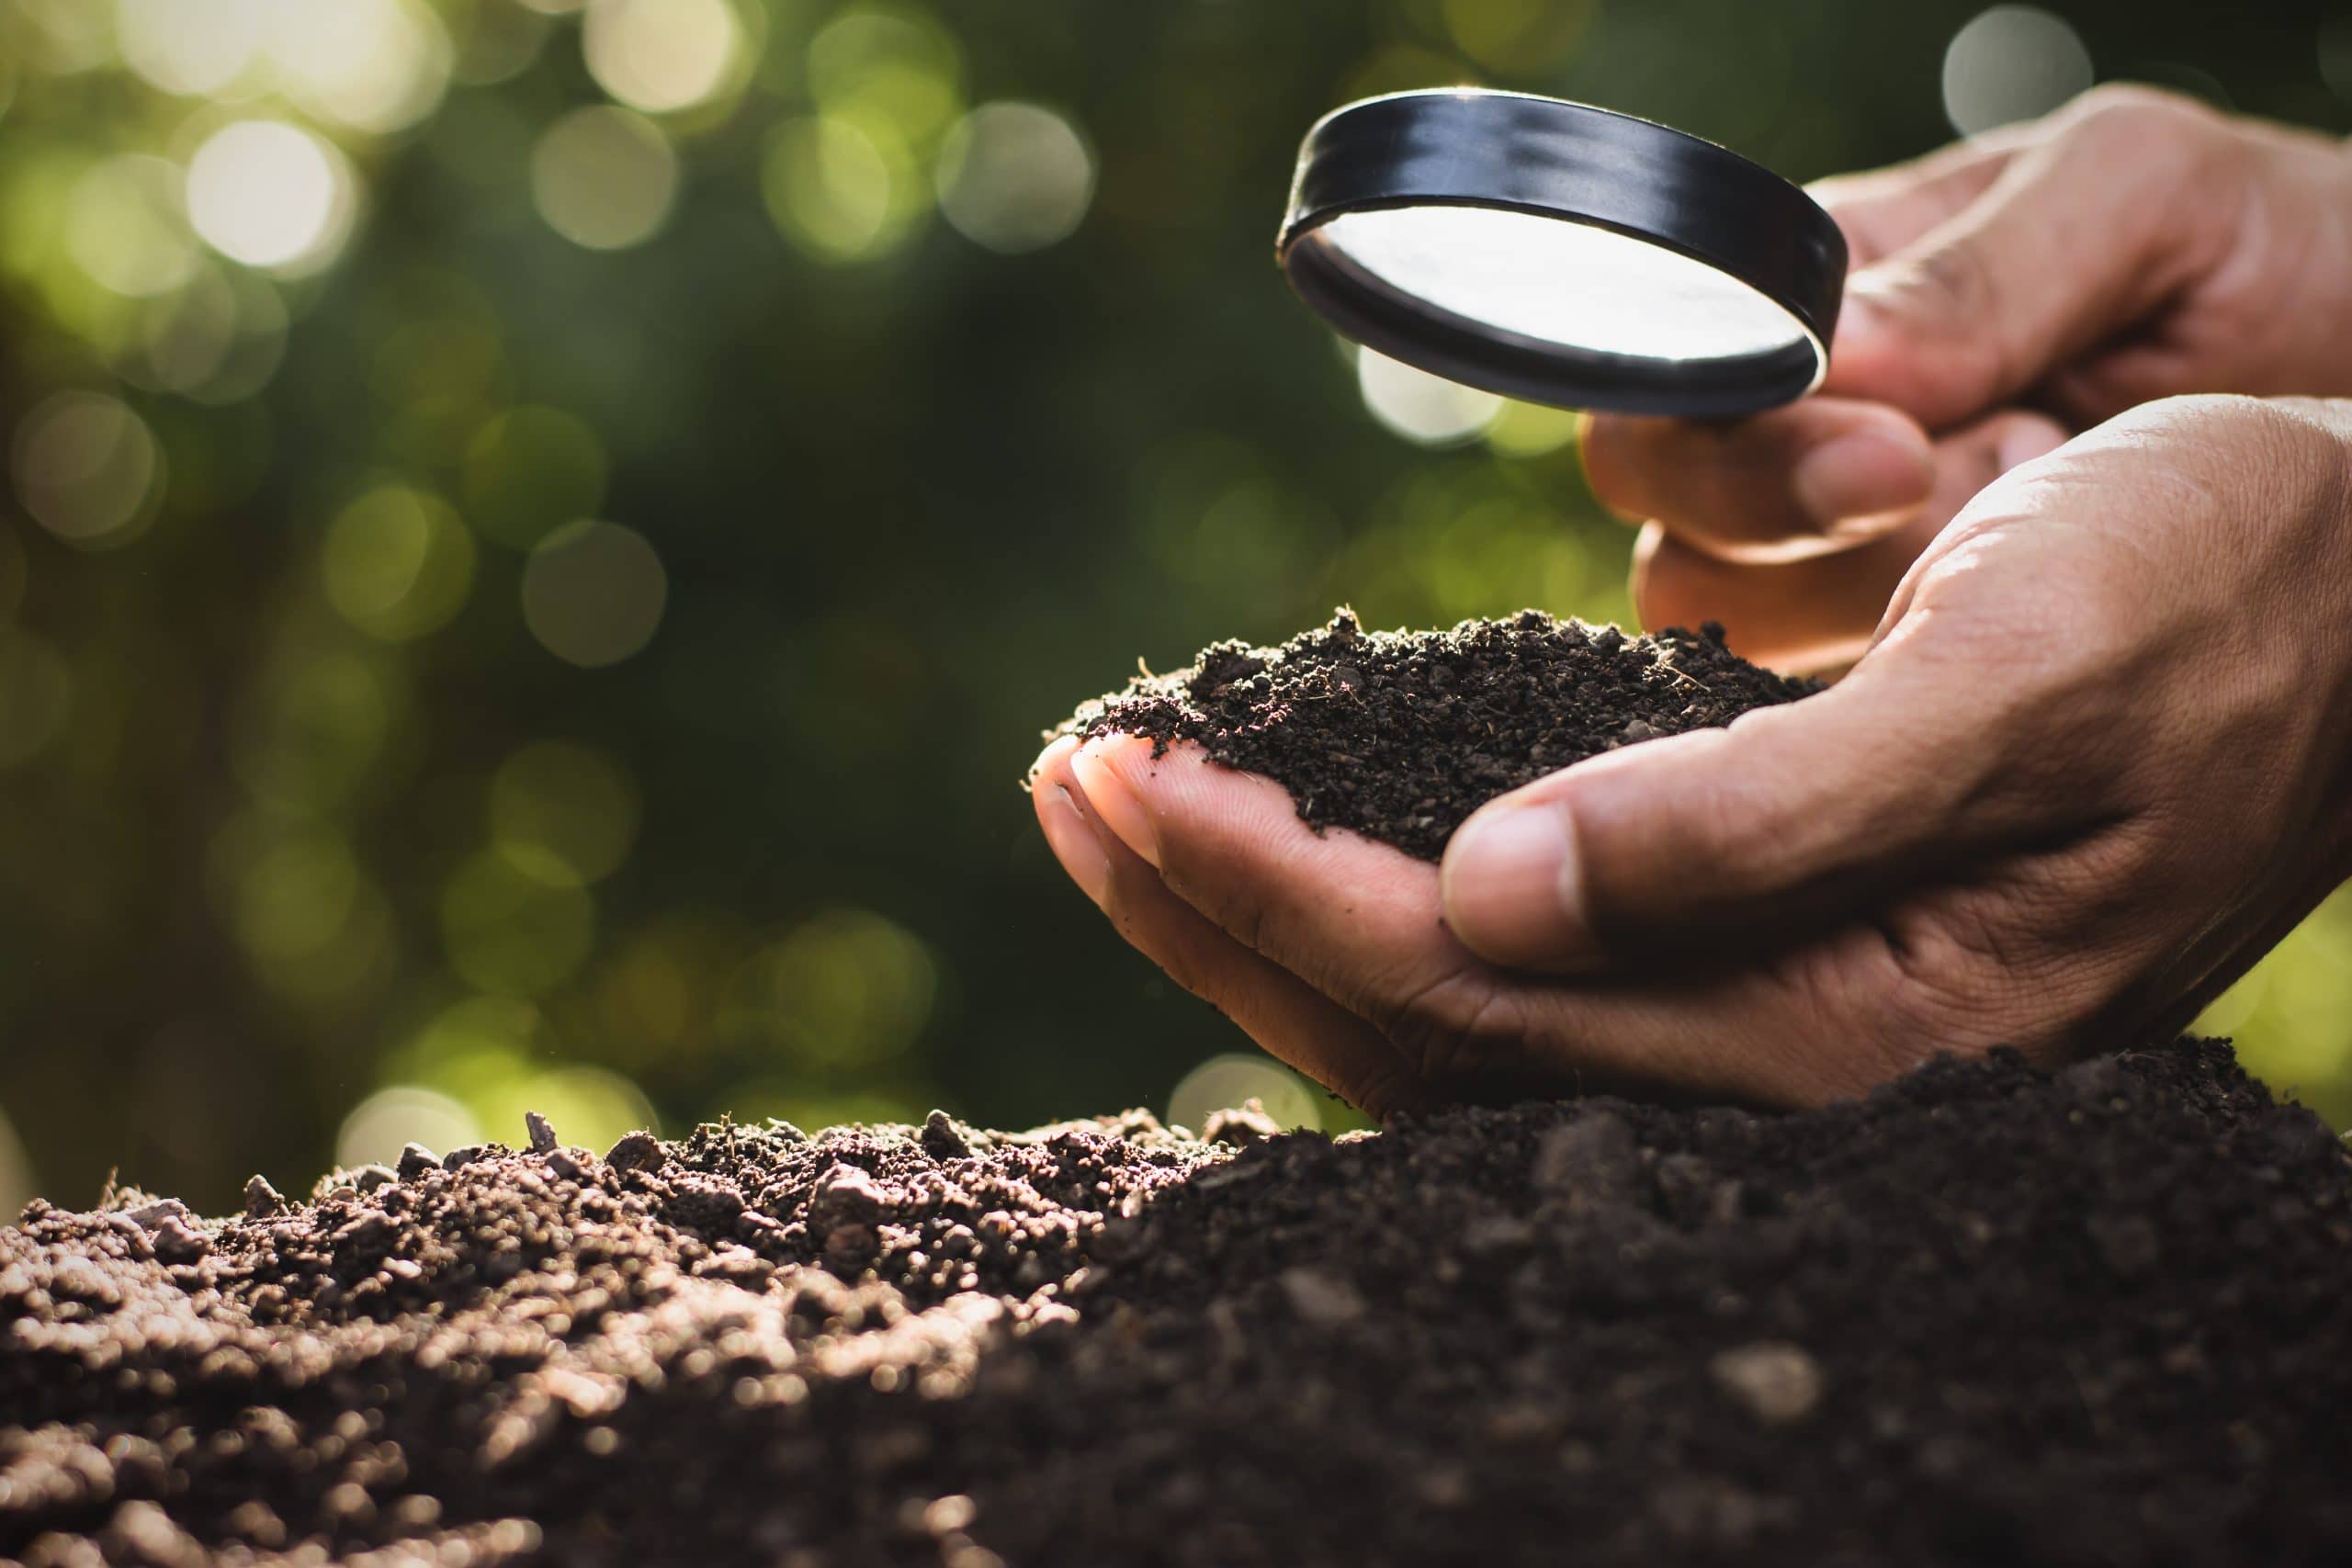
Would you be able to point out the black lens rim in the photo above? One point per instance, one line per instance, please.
(1521, 153)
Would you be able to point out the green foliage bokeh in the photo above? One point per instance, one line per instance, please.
(560, 618)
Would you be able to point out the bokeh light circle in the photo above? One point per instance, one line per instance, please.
(1519, 37)
(1422, 408)
(125, 226)
(371, 65)
(512, 934)
(528, 471)
(193, 47)
(62, 37)
(839, 190)
(185, 337)
(563, 813)
(1224, 1083)
(396, 563)
(661, 55)
(314, 730)
(593, 593)
(891, 66)
(2009, 63)
(217, 341)
(381, 1125)
(88, 468)
(270, 195)
(294, 894)
(848, 988)
(1531, 430)
(1015, 177)
(588, 1107)
(604, 178)
(2335, 54)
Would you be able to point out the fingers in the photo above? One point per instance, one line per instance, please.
(1282, 1013)
(1814, 477)
(2123, 205)
(1359, 922)
(1818, 613)
(1831, 1020)
(1885, 210)
(1805, 617)
(1336, 909)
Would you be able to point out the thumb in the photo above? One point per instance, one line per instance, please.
(2122, 207)
(1791, 817)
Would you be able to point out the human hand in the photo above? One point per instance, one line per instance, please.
(2098, 762)
(2007, 293)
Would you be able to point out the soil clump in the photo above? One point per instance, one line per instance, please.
(1986, 1315)
(1401, 735)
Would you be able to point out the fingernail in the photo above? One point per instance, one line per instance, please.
(1115, 801)
(1513, 891)
(1862, 474)
(2027, 439)
(1074, 844)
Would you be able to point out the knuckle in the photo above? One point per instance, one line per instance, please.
(2306, 441)
(2228, 456)
(1955, 277)
(2151, 138)
(2133, 116)
(1949, 292)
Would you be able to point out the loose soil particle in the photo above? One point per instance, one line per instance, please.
(1986, 1316)
(1400, 736)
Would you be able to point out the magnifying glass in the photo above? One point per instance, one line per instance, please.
(1564, 254)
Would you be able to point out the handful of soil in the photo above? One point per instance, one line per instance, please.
(1986, 1316)
(1401, 735)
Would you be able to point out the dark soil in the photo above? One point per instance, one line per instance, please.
(1984, 1318)
(1401, 735)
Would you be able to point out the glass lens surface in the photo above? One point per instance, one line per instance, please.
(1562, 282)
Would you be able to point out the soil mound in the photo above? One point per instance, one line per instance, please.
(1400, 736)
(1984, 1317)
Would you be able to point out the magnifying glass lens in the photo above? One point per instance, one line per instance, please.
(1562, 282)
(1563, 254)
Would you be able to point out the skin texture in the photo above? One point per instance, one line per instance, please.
(2091, 564)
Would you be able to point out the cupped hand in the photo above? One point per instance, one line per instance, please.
(2007, 293)
(2099, 761)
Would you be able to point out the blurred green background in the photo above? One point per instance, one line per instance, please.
(539, 537)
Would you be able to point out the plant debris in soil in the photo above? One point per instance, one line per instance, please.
(1402, 735)
(1985, 1317)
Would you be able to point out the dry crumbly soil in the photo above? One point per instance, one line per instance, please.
(1986, 1316)
(1401, 735)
